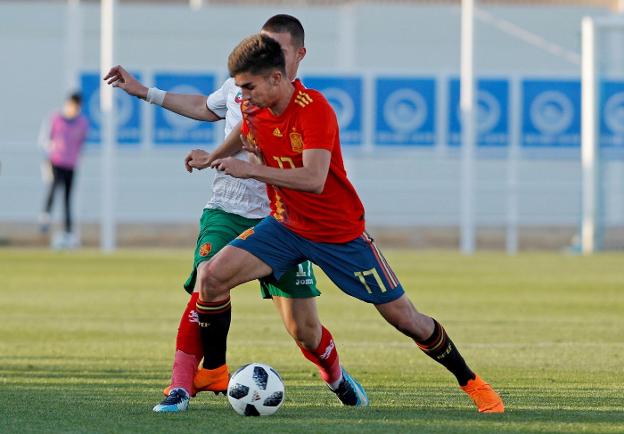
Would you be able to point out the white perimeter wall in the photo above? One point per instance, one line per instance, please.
(399, 187)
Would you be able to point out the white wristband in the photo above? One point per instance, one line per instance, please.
(155, 96)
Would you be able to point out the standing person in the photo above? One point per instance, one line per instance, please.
(63, 143)
(235, 206)
(316, 212)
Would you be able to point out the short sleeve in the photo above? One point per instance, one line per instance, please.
(217, 100)
(319, 125)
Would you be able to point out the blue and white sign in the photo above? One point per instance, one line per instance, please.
(406, 111)
(612, 115)
(551, 113)
(492, 113)
(127, 111)
(173, 129)
(345, 96)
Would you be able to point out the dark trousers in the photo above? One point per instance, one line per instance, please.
(65, 177)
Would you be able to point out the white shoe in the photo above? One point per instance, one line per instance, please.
(64, 240)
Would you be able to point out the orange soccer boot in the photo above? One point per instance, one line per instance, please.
(213, 380)
(485, 398)
(208, 380)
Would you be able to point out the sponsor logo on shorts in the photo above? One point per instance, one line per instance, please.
(249, 232)
(205, 249)
(304, 282)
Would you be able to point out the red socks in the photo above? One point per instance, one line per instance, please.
(325, 357)
(188, 348)
(188, 339)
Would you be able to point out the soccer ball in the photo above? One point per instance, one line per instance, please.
(255, 389)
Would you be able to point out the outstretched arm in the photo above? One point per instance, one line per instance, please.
(190, 106)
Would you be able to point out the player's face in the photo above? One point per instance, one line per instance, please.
(262, 90)
(292, 54)
(71, 109)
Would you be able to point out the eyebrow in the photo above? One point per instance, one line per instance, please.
(245, 85)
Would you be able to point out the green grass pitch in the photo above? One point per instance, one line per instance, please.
(86, 343)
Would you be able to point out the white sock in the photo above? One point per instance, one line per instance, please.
(335, 384)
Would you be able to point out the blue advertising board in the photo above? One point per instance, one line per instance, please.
(405, 111)
(551, 113)
(344, 93)
(127, 111)
(173, 129)
(612, 115)
(492, 113)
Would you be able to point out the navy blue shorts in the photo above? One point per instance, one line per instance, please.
(358, 268)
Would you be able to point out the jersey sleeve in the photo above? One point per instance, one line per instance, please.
(319, 124)
(217, 100)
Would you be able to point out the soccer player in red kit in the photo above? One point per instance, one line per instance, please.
(316, 212)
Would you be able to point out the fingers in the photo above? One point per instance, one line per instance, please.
(111, 72)
(247, 146)
(196, 159)
(216, 164)
(116, 76)
(115, 71)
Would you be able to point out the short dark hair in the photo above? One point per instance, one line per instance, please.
(75, 97)
(283, 23)
(256, 54)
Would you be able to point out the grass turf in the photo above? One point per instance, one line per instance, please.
(86, 342)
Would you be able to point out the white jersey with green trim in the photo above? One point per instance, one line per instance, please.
(243, 197)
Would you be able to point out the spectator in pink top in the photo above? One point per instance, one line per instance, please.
(67, 134)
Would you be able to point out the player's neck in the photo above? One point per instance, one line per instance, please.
(284, 99)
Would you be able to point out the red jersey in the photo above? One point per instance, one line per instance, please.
(334, 216)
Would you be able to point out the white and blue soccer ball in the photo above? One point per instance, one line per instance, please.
(256, 389)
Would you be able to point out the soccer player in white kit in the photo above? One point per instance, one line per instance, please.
(235, 206)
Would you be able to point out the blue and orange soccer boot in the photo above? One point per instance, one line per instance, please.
(485, 398)
(212, 380)
(177, 400)
(350, 392)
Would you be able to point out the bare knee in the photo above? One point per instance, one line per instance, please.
(307, 333)
(212, 287)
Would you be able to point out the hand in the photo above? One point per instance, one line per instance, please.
(251, 147)
(233, 167)
(119, 77)
(197, 159)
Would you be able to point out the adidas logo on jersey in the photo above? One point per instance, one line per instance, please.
(277, 132)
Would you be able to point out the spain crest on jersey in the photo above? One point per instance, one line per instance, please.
(296, 142)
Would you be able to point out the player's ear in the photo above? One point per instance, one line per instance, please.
(276, 77)
(301, 52)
